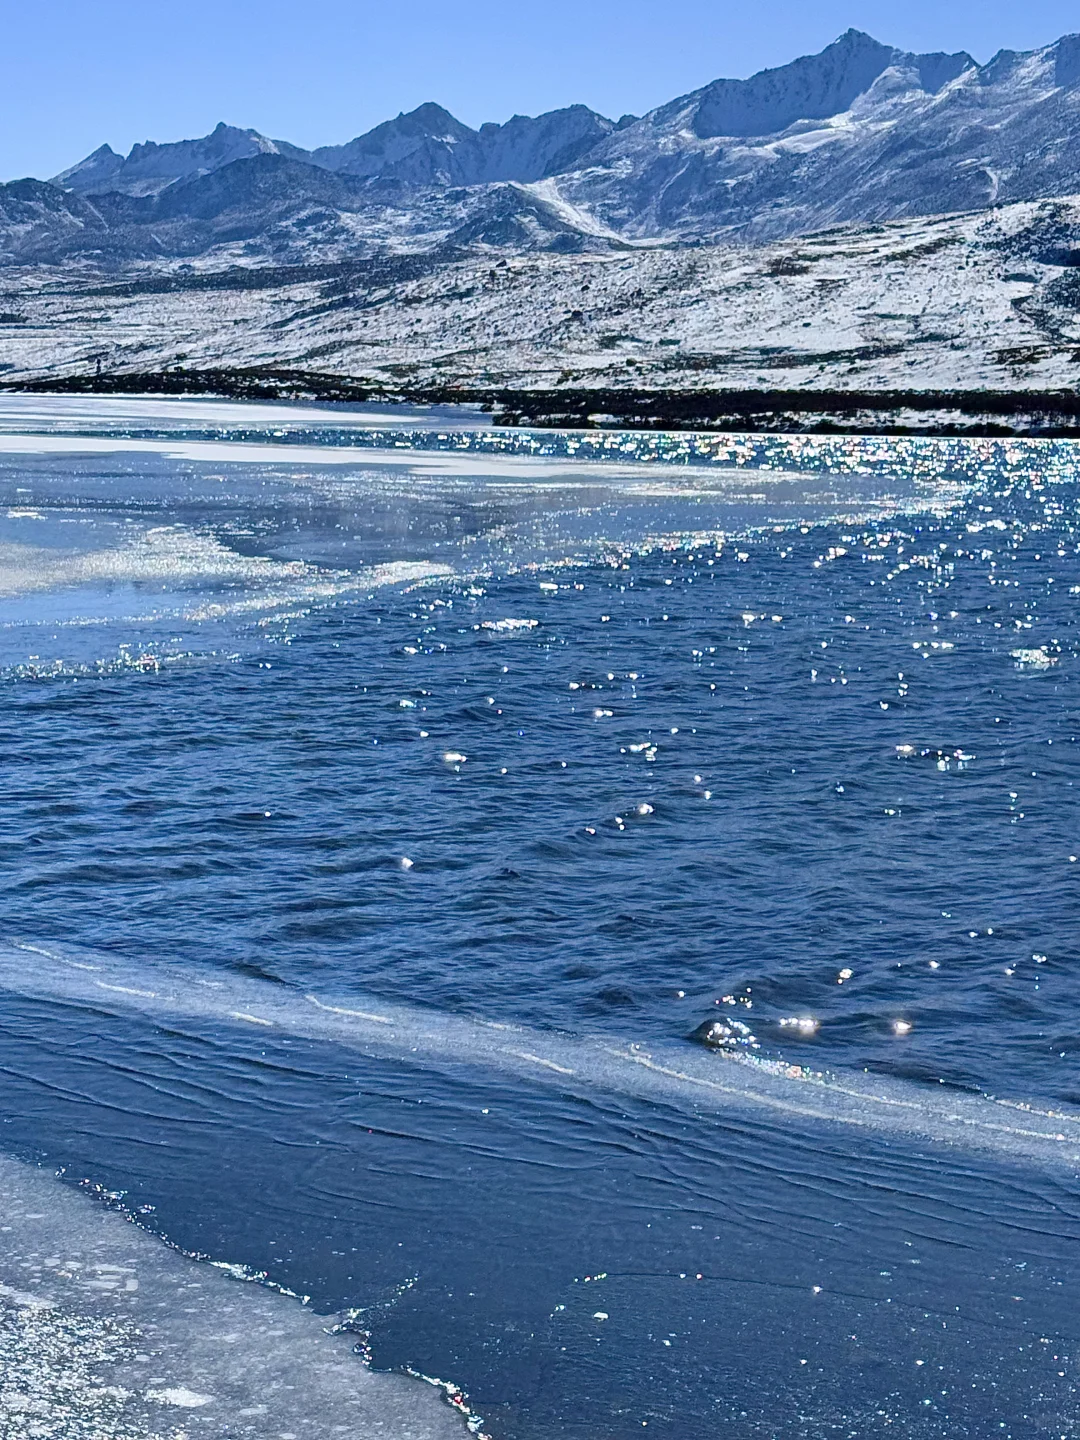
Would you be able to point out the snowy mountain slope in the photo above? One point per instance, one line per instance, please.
(287, 212)
(428, 129)
(982, 301)
(860, 132)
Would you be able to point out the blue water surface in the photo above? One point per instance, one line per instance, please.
(788, 739)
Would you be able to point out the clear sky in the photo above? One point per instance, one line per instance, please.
(75, 73)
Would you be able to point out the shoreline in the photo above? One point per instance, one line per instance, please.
(974, 414)
(107, 1332)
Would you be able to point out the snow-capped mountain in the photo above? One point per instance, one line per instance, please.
(423, 148)
(860, 132)
(939, 245)
(150, 168)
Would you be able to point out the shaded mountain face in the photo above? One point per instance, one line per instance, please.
(270, 209)
(247, 201)
(39, 221)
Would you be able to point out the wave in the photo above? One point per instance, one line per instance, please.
(678, 1074)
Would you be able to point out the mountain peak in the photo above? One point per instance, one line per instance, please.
(96, 170)
(813, 87)
(853, 37)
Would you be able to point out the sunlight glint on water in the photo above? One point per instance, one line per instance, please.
(616, 736)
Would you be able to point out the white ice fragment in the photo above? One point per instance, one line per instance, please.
(179, 1395)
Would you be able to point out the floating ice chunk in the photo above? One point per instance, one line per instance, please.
(454, 757)
(405, 863)
(179, 1395)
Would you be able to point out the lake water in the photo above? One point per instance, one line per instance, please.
(387, 798)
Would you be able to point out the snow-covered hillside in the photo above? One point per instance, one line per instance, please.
(982, 301)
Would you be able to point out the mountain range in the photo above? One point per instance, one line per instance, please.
(861, 132)
(573, 245)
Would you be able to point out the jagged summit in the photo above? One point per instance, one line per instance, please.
(149, 167)
(814, 87)
(421, 147)
(97, 170)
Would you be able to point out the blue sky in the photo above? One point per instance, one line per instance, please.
(74, 73)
